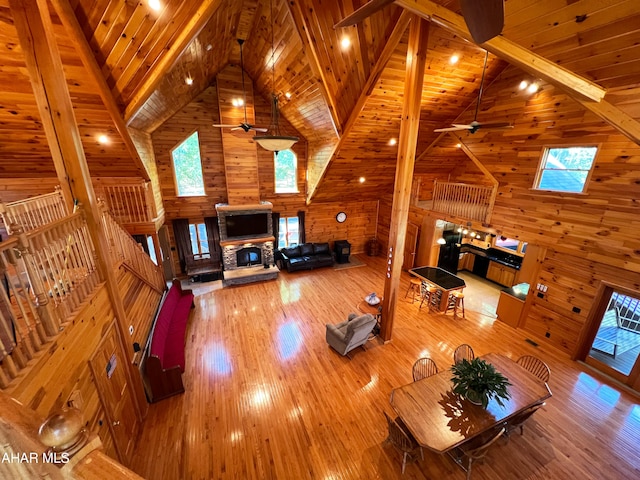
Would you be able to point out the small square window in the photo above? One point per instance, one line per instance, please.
(565, 169)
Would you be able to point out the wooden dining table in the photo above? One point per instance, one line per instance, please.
(441, 420)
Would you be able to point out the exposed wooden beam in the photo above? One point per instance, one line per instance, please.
(70, 22)
(474, 159)
(615, 117)
(197, 22)
(32, 21)
(409, 126)
(516, 55)
(430, 147)
(372, 80)
(301, 22)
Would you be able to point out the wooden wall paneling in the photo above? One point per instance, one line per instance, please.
(240, 156)
(144, 146)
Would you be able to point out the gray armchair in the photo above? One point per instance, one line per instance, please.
(350, 334)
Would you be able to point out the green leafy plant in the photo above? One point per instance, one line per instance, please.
(479, 380)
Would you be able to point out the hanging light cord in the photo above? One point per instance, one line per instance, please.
(484, 69)
(274, 100)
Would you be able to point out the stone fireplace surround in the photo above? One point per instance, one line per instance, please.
(233, 273)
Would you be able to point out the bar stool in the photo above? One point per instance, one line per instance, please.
(414, 287)
(456, 300)
(429, 294)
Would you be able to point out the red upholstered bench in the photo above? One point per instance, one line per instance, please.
(165, 363)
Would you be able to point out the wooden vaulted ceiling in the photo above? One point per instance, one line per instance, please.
(144, 58)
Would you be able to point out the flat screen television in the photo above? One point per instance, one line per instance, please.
(246, 225)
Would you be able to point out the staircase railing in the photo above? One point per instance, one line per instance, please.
(474, 202)
(129, 204)
(33, 212)
(47, 274)
(123, 248)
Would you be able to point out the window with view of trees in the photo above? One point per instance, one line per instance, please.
(565, 169)
(188, 167)
(198, 236)
(286, 171)
(288, 232)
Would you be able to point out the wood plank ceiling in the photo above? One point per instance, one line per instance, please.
(597, 40)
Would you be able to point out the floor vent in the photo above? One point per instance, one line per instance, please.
(528, 340)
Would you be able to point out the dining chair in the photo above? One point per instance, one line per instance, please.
(519, 419)
(535, 366)
(462, 352)
(400, 438)
(476, 449)
(423, 368)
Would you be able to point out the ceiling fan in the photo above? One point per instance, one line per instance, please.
(475, 125)
(484, 19)
(246, 126)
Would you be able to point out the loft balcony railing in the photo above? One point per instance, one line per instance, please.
(130, 203)
(33, 212)
(473, 202)
(48, 272)
(123, 249)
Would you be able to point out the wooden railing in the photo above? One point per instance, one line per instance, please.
(33, 212)
(48, 272)
(129, 204)
(473, 202)
(124, 249)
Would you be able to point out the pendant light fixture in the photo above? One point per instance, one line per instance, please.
(273, 140)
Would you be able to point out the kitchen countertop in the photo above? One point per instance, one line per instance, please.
(518, 291)
(467, 248)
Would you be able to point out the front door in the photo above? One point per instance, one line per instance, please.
(108, 366)
(614, 344)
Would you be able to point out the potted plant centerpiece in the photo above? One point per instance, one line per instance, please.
(479, 382)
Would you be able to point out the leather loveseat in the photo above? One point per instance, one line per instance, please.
(307, 256)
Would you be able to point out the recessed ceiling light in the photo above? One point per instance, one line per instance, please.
(361, 179)
(288, 95)
(393, 141)
(454, 59)
(188, 81)
(155, 5)
(523, 84)
(345, 43)
(533, 88)
(209, 47)
(103, 139)
(458, 145)
(237, 102)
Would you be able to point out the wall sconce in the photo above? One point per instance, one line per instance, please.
(441, 241)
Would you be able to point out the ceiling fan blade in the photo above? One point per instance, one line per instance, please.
(363, 12)
(485, 19)
(260, 129)
(224, 126)
(457, 128)
(495, 125)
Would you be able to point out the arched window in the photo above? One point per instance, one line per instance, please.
(286, 171)
(187, 167)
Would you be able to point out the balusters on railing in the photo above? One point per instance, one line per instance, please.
(128, 204)
(474, 202)
(33, 212)
(123, 248)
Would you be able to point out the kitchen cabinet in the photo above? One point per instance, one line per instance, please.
(501, 274)
(511, 304)
(466, 261)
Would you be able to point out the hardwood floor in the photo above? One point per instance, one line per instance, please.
(266, 397)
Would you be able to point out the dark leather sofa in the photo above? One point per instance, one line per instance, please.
(307, 256)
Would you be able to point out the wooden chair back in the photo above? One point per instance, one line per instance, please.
(535, 366)
(423, 368)
(462, 352)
